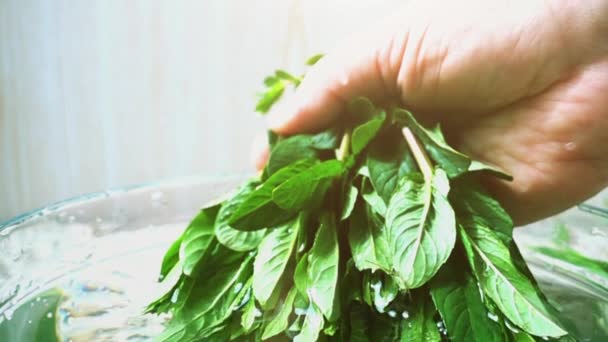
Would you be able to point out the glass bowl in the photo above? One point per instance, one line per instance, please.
(85, 268)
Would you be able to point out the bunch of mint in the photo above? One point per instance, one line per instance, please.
(373, 230)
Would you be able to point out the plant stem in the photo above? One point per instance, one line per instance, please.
(344, 149)
(422, 159)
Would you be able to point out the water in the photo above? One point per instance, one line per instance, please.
(85, 270)
(99, 300)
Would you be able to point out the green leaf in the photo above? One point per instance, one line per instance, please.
(326, 140)
(171, 258)
(196, 239)
(313, 324)
(522, 337)
(307, 189)
(349, 203)
(302, 146)
(212, 299)
(513, 292)
(383, 328)
(236, 240)
(314, 59)
(373, 199)
(477, 166)
(270, 97)
(421, 228)
(280, 321)
(289, 151)
(388, 160)
(453, 162)
(359, 323)
(470, 200)
(284, 75)
(271, 261)
(368, 242)
(384, 290)
(323, 269)
(300, 276)
(36, 320)
(421, 326)
(361, 109)
(363, 134)
(258, 210)
(250, 313)
(458, 300)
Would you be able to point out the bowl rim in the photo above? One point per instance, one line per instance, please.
(113, 191)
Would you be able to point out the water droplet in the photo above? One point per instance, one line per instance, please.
(29, 321)
(301, 247)
(38, 299)
(493, 317)
(98, 220)
(49, 315)
(405, 315)
(392, 313)
(238, 287)
(570, 146)
(480, 291)
(71, 218)
(174, 296)
(8, 315)
(511, 327)
(158, 198)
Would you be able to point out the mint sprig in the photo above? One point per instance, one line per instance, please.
(375, 229)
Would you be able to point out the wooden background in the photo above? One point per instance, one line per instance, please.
(100, 94)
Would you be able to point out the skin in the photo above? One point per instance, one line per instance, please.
(522, 85)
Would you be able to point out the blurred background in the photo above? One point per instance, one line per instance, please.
(104, 94)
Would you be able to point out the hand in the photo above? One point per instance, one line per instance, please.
(519, 84)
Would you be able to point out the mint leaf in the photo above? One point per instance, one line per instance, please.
(258, 209)
(307, 189)
(270, 96)
(421, 325)
(453, 162)
(323, 269)
(213, 300)
(312, 326)
(304, 146)
(171, 258)
(364, 133)
(271, 261)
(197, 238)
(471, 201)
(289, 151)
(373, 199)
(388, 160)
(280, 321)
(236, 240)
(368, 242)
(421, 228)
(349, 203)
(458, 300)
(513, 293)
(359, 323)
(314, 59)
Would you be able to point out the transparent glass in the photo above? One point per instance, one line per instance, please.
(88, 266)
